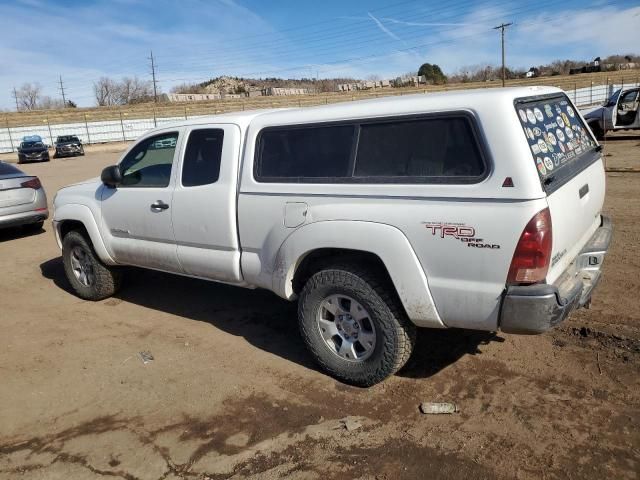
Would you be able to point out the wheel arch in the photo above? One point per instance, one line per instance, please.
(75, 216)
(381, 246)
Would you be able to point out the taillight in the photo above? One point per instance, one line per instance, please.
(531, 259)
(33, 183)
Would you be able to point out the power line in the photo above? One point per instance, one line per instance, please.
(501, 27)
(153, 73)
(327, 44)
(64, 100)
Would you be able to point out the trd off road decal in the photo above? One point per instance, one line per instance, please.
(458, 231)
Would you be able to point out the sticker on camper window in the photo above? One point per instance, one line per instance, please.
(569, 132)
(528, 130)
(555, 133)
(531, 117)
(523, 116)
(542, 145)
(538, 113)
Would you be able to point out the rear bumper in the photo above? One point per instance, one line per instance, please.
(23, 218)
(536, 308)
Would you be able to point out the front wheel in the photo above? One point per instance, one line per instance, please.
(90, 278)
(354, 326)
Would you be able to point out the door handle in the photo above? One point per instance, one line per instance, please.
(159, 205)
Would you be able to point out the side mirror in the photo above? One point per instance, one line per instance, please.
(111, 176)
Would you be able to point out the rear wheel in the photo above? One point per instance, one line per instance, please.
(354, 326)
(89, 277)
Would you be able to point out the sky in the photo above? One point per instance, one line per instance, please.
(194, 40)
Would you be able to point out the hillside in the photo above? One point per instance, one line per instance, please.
(185, 110)
(226, 84)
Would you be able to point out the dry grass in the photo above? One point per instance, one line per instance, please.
(18, 119)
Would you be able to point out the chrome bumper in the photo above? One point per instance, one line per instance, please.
(536, 308)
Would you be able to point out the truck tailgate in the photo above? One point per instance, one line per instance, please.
(575, 215)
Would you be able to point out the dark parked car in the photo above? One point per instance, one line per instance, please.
(33, 149)
(67, 145)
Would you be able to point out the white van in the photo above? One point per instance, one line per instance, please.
(475, 209)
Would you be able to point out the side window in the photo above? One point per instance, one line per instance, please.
(438, 147)
(628, 101)
(295, 154)
(149, 163)
(202, 157)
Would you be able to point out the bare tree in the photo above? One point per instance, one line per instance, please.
(105, 91)
(48, 103)
(28, 96)
(134, 90)
(109, 92)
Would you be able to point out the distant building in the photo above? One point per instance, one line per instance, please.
(193, 97)
(410, 81)
(366, 85)
(285, 91)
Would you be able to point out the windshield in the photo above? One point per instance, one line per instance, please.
(613, 99)
(68, 138)
(31, 145)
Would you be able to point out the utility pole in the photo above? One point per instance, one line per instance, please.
(15, 96)
(153, 74)
(64, 100)
(501, 28)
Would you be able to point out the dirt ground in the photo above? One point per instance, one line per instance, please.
(231, 391)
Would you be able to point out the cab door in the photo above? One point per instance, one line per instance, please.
(136, 215)
(625, 115)
(204, 203)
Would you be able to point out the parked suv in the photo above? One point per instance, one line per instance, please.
(476, 209)
(68, 145)
(620, 112)
(32, 149)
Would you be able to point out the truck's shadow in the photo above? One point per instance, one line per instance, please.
(263, 319)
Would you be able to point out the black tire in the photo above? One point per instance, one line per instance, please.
(33, 227)
(106, 280)
(394, 334)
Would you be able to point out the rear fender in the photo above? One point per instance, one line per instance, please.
(386, 242)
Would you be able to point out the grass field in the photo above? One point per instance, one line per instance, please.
(187, 109)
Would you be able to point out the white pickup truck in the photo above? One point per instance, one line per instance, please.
(475, 209)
